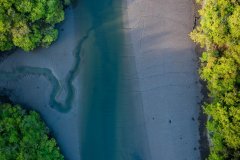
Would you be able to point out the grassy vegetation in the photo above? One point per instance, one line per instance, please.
(219, 33)
(29, 24)
(24, 136)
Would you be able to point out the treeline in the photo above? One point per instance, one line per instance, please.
(219, 34)
(29, 24)
(24, 136)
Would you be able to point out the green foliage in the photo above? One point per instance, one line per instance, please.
(23, 136)
(67, 2)
(29, 24)
(219, 33)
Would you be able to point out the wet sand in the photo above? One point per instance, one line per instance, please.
(166, 66)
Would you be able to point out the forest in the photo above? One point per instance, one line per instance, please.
(219, 34)
(29, 24)
(24, 136)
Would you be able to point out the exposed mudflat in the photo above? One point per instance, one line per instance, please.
(120, 82)
(167, 71)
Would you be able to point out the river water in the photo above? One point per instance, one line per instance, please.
(84, 85)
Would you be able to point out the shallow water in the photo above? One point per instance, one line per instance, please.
(108, 123)
(82, 85)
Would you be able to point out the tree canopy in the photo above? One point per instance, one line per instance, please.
(219, 33)
(24, 136)
(28, 24)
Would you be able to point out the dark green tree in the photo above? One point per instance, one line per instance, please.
(29, 24)
(24, 136)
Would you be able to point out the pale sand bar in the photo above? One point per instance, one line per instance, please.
(166, 64)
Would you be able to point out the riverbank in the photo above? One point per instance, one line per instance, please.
(204, 138)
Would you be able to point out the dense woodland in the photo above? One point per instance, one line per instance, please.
(29, 24)
(219, 34)
(24, 136)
